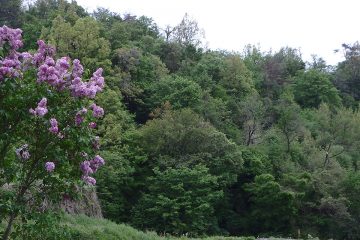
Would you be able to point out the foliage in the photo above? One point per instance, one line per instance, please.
(47, 225)
(311, 88)
(178, 91)
(179, 201)
(187, 32)
(184, 139)
(83, 227)
(263, 143)
(11, 13)
(80, 41)
(44, 162)
(347, 74)
(266, 193)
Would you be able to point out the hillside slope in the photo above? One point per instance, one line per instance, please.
(92, 228)
(83, 227)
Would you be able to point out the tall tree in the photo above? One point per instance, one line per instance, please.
(180, 201)
(81, 41)
(11, 13)
(311, 88)
(188, 32)
(347, 77)
(278, 70)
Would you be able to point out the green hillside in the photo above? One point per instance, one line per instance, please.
(91, 228)
(168, 134)
(82, 227)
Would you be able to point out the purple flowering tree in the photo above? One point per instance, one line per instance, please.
(47, 119)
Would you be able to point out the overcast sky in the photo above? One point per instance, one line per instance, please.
(315, 26)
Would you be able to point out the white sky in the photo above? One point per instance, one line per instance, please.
(315, 26)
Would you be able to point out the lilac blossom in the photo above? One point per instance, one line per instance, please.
(78, 88)
(10, 66)
(25, 56)
(43, 52)
(54, 73)
(54, 126)
(49, 166)
(97, 78)
(92, 125)
(96, 163)
(12, 36)
(47, 72)
(98, 112)
(90, 167)
(89, 89)
(83, 89)
(77, 69)
(79, 117)
(62, 64)
(41, 109)
(85, 168)
(89, 180)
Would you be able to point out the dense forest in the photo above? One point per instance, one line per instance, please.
(211, 142)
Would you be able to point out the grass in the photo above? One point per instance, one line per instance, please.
(82, 227)
(102, 229)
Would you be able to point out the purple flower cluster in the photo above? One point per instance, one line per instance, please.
(55, 75)
(10, 67)
(79, 117)
(41, 108)
(43, 52)
(54, 126)
(85, 168)
(96, 162)
(98, 112)
(98, 79)
(77, 69)
(49, 166)
(13, 36)
(61, 74)
(89, 180)
(90, 167)
(23, 152)
(88, 89)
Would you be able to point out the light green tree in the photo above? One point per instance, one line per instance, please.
(80, 41)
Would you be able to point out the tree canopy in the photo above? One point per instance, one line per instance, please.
(196, 141)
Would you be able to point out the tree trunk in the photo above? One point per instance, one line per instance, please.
(288, 143)
(9, 226)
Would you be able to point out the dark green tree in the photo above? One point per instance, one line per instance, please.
(183, 138)
(179, 201)
(314, 87)
(272, 207)
(347, 74)
(178, 91)
(11, 13)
